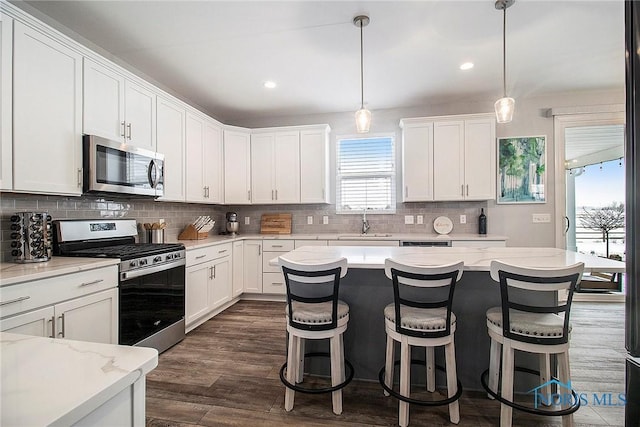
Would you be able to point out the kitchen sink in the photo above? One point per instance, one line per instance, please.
(360, 235)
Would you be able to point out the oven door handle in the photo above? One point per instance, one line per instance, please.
(126, 275)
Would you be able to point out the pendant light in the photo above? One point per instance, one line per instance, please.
(505, 105)
(363, 116)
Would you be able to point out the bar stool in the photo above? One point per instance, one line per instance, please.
(414, 320)
(315, 312)
(534, 328)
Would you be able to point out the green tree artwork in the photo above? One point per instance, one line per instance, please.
(521, 169)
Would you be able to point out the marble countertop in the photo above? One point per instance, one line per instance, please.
(12, 273)
(47, 381)
(475, 259)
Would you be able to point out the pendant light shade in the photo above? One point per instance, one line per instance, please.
(363, 116)
(505, 105)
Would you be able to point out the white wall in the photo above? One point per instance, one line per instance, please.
(530, 118)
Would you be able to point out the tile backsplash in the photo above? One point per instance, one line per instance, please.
(178, 215)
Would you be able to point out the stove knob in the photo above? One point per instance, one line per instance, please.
(176, 255)
(143, 262)
(157, 259)
(169, 256)
(133, 264)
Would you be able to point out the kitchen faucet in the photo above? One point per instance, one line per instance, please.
(365, 223)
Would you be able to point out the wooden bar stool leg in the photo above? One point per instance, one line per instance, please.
(388, 364)
(545, 375)
(452, 381)
(405, 381)
(431, 373)
(289, 394)
(506, 412)
(300, 357)
(565, 377)
(494, 366)
(336, 396)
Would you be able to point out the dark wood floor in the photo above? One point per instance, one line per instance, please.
(225, 373)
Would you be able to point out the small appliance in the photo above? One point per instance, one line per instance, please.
(232, 223)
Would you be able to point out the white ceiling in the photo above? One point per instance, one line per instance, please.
(217, 54)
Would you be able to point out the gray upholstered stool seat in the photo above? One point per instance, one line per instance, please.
(533, 324)
(420, 319)
(317, 313)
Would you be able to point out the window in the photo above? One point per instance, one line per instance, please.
(365, 175)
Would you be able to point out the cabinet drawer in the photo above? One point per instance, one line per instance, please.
(39, 293)
(266, 268)
(200, 255)
(273, 283)
(277, 245)
(300, 243)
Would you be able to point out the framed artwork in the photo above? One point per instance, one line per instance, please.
(522, 169)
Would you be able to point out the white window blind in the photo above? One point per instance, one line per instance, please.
(365, 175)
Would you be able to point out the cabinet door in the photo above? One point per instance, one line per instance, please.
(220, 284)
(103, 102)
(286, 167)
(480, 159)
(238, 269)
(140, 115)
(273, 283)
(90, 318)
(253, 266)
(314, 165)
(237, 167)
(213, 159)
(417, 163)
(448, 160)
(37, 323)
(171, 143)
(47, 114)
(6, 111)
(262, 188)
(194, 173)
(197, 291)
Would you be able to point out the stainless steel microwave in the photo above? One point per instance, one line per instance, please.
(114, 167)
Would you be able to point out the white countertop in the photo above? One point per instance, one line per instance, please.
(49, 381)
(12, 273)
(475, 259)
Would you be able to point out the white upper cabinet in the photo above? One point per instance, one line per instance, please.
(171, 143)
(237, 167)
(314, 165)
(6, 125)
(204, 160)
(417, 162)
(449, 158)
(118, 108)
(47, 114)
(275, 167)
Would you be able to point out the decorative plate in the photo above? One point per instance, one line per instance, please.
(442, 225)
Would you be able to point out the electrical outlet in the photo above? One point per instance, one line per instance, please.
(419, 219)
(161, 221)
(247, 220)
(463, 219)
(540, 218)
(408, 219)
(309, 220)
(325, 219)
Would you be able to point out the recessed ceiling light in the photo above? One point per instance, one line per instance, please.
(269, 84)
(466, 66)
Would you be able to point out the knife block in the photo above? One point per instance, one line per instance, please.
(190, 233)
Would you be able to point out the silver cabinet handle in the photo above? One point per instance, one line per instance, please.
(249, 195)
(222, 251)
(277, 283)
(79, 177)
(276, 194)
(406, 191)
(276, 246)
(95, 282)
(123, 124)
(129, 128)
(467, 189)
(271, 194)
(11, 301)
(323, 193)
(61, 333)
(53, 326)
(201, 256)
(210, 272)
(214, 271)
(462, 190)
(259, 250)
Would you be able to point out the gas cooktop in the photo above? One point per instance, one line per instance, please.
(126, 251)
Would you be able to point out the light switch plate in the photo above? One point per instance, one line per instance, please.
(247, 220)
(325, 219)
(309, 220)
(463, 219)
(408, 219)
(419, 219)
(540, 218)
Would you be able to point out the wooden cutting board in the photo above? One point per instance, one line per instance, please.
(275, 223)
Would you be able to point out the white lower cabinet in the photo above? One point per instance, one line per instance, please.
(80, 306)
(208, 282)
(272, 277)
(237, 274)
(253, 266)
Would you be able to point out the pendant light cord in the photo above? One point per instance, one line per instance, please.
(361, 68)
(504, 51)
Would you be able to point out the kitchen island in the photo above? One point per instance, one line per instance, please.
(367, 291)
(59, 382)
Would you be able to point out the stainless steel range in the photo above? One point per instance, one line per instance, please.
(152, 277)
